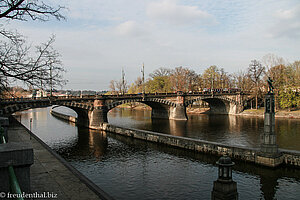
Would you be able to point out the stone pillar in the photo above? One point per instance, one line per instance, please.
(178, 112)
(99, 114)
(83, 118)
(224, 188)
(20, 156)
(4, 122)
(269, 154)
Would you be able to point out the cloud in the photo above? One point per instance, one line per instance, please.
(287, 23)
(97, 41)
(173, 13)
(129, 28)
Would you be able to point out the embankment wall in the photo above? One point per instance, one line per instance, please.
(63, 116)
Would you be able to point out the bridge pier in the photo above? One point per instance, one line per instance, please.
(82, 116)
(92, 118)
(178, 113)
(175, 111)
(98, 115)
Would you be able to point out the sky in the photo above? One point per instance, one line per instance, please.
(101, 37)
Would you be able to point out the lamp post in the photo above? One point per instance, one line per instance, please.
(224, 188)
(51, 84)
(123, 90)
(225, 171)
(143, 78)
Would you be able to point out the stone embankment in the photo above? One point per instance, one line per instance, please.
(279, 114)
(291, 158)
(63, 116)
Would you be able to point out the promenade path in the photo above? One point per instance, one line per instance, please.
(50, 173)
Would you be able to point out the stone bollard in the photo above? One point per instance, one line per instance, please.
(224, 188)
(4, 122)
(20, 156)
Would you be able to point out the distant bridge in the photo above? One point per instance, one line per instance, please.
(92, 110)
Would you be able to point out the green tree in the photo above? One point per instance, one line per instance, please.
(136, 87)
(159, 84)
(288, 98)
(159, 81)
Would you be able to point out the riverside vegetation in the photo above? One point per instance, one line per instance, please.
(285, 76)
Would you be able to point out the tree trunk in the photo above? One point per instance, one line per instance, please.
(256, 99)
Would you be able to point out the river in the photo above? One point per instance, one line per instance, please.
(127, 168)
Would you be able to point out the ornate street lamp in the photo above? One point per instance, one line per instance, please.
(225, 171)
(224, 188)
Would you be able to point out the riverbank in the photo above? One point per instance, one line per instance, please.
(50, 172)
(295, 114)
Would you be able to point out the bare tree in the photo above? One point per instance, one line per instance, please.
(16, 62)
(183, 79)
(34, 66)
(271, 60)
(160, 72)
(32, 9)
(241, 80)
(121, 86)
(210, 76)
(255, 71)
(112, 86)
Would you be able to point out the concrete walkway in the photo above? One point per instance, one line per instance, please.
(50, 173)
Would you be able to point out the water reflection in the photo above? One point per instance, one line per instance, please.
(90, 144)
(128, 168)
(254, 182)
(236, 130)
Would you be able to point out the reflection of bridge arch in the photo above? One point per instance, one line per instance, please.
(218, 104)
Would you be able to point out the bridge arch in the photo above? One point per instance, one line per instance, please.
(84, 111)
(21, 106)
(161, 108)
(219, 104)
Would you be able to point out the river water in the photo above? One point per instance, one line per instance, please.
(127, 168)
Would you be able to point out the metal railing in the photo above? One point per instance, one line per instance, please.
(13, 181)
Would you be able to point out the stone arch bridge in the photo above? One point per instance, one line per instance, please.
(92, 110)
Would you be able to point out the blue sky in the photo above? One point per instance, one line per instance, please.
(101, 37)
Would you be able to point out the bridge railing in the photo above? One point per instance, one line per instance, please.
(69, 97)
